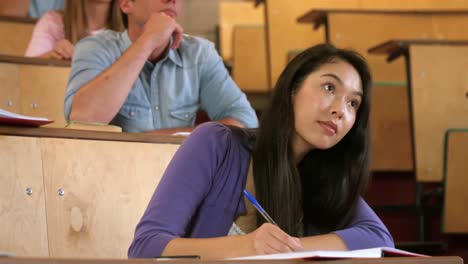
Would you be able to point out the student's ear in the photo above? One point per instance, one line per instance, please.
(126, 6)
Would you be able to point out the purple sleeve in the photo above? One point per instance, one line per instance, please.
(366, 230)
(185, 183)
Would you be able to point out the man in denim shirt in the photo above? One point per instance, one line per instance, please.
(152, 76)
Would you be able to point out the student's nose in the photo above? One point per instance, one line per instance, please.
(337, 108)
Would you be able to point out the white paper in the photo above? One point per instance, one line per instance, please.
(4, 113)
(362, 253)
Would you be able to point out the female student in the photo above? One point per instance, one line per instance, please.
(307, 165)
(57, 32)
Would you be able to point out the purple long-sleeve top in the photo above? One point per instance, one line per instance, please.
(200, 195)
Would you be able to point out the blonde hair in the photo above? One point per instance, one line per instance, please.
(76, 26)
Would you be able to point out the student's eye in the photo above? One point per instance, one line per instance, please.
(329, 87)
(354, 104)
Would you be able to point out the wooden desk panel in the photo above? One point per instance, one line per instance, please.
(9, 92)
(15, 36)
(249, 65)
(390, 129)
(232, 14)
(456, 171)
(439, 95)
(439, 87)
(107, 186)
(22, 214)
(43, 92)
(34, 87)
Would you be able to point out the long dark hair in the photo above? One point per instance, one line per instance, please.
(323, 189)
(76, 25)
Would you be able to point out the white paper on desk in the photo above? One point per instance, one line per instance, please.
(4, 113)
(6, 254)
(183, 134)
(332, 254)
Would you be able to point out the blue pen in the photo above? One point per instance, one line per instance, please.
(259, 207)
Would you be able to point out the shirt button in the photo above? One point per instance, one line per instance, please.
(132, 113)
(156, 108)
(186, 115)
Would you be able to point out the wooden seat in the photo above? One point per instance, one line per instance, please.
(249, 66)
(75, 194)
(438, 96)
(34, 87)
(455, 216)
(231, 14)
(16, 34)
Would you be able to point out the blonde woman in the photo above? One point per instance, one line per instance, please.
(57, 32)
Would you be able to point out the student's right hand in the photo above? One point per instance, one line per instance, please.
(160, 27)
(270, 239)
(63, 50)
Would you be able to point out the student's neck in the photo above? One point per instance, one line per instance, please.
(96, 15)
(134, 32)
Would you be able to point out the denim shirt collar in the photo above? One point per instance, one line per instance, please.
(173, 55)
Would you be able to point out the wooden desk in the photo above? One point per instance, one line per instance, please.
(34, 87)
(438, 96)
(361, 29)
(455, 216)
(432, 260)
(15, 33)
(72, 193)
(285, 34)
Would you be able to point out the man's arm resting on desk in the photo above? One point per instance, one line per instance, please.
(100, 99)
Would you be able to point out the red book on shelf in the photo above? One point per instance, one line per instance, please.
(9, 118)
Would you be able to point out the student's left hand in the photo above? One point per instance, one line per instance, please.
(63, 50)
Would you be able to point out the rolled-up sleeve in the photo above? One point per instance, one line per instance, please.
(90, 59)
(366, 230)
(220, 96)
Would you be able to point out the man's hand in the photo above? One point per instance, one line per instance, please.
(159, 28)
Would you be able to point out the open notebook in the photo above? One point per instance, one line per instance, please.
(9, 118)
(329, 254)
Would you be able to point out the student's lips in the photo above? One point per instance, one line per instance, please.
(329, 127)
(169, 12)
